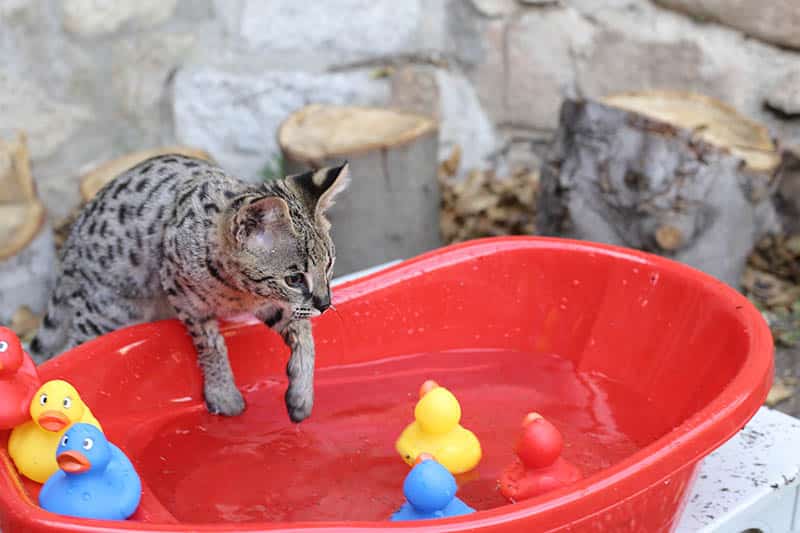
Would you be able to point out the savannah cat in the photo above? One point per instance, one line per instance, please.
(178, 236)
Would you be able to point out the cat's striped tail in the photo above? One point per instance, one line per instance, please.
(52, 335)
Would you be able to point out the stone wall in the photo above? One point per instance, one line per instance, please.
(93, 79)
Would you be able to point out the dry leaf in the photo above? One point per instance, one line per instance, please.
(25, 323)
(449, 166)
(62, 227)
(483, 205)
(768, 289)
(781, 390)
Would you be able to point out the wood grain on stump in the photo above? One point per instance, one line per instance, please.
(27, 255)
(391, 208)
(678, 174)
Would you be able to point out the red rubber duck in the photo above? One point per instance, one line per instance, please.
(539, 467)
(19, 380)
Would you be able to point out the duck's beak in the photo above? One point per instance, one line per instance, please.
(73, 462)
(53, 420)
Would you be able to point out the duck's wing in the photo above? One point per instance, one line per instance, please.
(124, 481)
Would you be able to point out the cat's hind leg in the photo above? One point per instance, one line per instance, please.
(82, 316)
(53, 332)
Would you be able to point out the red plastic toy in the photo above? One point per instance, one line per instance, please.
(18, 380)
(658, 359)
(539, 467)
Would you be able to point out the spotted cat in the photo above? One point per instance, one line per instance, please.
(178, 236)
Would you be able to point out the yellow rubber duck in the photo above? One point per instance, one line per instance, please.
(54, 408)
(436, 430)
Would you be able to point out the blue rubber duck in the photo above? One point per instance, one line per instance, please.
(430, 491)
(95, 479)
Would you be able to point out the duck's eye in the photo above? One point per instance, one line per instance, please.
(296, 280)
(64, 440)
(88, 443)
(43, 399)
(67, 403)
(3, 346)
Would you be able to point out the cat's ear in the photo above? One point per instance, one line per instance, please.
(262, 221)
(322, 186)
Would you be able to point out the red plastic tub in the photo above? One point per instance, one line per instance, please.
(645, 365)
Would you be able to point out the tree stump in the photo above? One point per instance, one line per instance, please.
(391, 208)
(678, 174)
(27, 254)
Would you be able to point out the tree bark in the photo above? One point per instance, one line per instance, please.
(676, 174)
(391, 208)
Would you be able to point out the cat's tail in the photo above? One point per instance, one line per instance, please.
(52, 335)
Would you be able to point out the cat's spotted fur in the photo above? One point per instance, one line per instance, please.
(179, 236)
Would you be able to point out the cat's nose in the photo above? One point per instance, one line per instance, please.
(322, 303)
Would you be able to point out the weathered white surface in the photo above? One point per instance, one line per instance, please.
(533, 58)
(638, 45)
(91, 78)
(495, 8)
(775, 21)
(344, 28)
(751, 481)
(230, 14)
(541, 45)
(235, 117)
(47, 121)
(10, 7)
(142, 65)
(26, 278)
(463, 122)
(97, 17)
(784, 96)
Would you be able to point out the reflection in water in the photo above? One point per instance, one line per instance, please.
(341, 463)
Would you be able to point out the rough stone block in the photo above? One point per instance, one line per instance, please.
(346, 29)
(90, 18)
(776, 21)
(235, 117)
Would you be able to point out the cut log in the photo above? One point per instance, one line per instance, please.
(678, 174)
(391, 208)
(27, 254)
(96, 179)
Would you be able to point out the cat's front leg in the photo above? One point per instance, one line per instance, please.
(300, 369)
(221, 395)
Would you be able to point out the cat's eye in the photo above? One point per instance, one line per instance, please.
(3, 346)
(43, 399)
(64, 440)
(88, 443)
(296, 280)
(67, 402)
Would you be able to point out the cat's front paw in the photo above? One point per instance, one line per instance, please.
(298, 405)
(226, 401)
